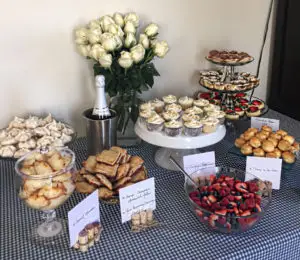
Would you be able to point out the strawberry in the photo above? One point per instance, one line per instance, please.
(246, 213)
(230, 184)
(212, 198)
(204, 205)
(212, 179)
(258, 207)
(237, 198)
(222, 193)
(243, 206)
(221, 212)
(194, 194)
(252, 186)
(198, 202)
(236, 211)
(241, 187)
(216, 206)
(224, 202)
(222, 220)
(224, 184)
(233, 204)
(203, 188)
(212, 220)
(230, 198)
(217, 186)
(210, 188)
(246, 195)
(227, 178)
(250, 203)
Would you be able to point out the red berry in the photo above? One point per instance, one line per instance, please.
(222, 220)
(241, 187)
(252, 186)
(246, 213)
(243, 206)
(230, 198)
(212, 198)
(194, 194)
(221, 212)
(250, 203)
(224, 202)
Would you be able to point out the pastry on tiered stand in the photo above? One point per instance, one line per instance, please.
(229, 57)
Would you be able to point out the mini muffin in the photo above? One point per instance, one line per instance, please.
(271, 155)
(232, 115)
(170, 115)
(145, 114)
(258, 152)
(265, 133)
(288, 157)
(281, 132)
(158, 105)
(211, 107)
(189, 117)
(220, 115)
(276, 136)
(266, 128)
(246, 149)
(248, 135)
(194, 110)
(273, 140)
(192, 128)
(146, 106)
(277, 152)
(169, 99)
(210, 125)
(201, 102)
(296, 146)
(155, 123)
(175, 107)
(261, 136)
(284, 145)
(289, 138)
(268, 146)
(252, 129)
(173, 128)
(255, 142)
(239, 142)
(186, 102)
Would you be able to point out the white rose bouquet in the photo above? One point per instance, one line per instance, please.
(124, 56)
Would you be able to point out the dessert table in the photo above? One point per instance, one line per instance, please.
(180, 235)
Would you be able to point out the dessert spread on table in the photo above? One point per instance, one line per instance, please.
(214, 80)
(267, 143)
(26, 134)
(229, 57)
(109, 171)
(174, 116)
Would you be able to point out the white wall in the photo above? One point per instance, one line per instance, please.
(40, 70)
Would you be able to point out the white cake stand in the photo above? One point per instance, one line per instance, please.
(178, 146)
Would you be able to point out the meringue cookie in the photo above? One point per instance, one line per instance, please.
(32, 122)
(17, 123)
(42, 122)
(9, 141)
(7, 151)
(41, 131)
(65, 138)
(14, 132)
(21, 152)
(44, 141)
(30, 144)
(23, 136)
(57, 143)
(3, 134)
(55, 134)
(68, 131)
(48, 119)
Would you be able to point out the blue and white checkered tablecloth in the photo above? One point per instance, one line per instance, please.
(180, 236)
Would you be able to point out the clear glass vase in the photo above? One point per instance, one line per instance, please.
(127, 107)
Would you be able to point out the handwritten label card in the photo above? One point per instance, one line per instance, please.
(258, 122)
(267, 169)
(86, 212)
(202, 163)
(136, 198)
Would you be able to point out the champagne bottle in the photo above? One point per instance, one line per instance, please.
(101, 110)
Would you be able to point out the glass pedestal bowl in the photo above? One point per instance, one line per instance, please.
(44, 181)
(247, 206)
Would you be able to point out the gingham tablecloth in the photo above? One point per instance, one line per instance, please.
(180, 236)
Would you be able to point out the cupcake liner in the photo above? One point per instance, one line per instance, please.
(155, 127)
(192, 131)
(173, 131)
(186, 106)
(209, 128)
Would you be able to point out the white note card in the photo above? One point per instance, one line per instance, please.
(86, 212)
(258, 122)
(136, 198)
(266, 169)
(202, 163)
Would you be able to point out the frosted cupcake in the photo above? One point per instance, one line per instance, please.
(186, 102)
(192, 128)
(210, 125)
(145, 114)
(201, 102)
(146, 106)
(170, 115)
(194, 110)
(220, 115)
(169, 99)
(158, 105)
(211, 107)
(174, 107)
(173, 128)
(155, 123)
(190, 117)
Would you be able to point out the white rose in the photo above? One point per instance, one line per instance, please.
(105, 36)
(137, 53)
(94, 35)
(160, 49)
(118, 18)
(105, 21)
(130, 40)
(125, 60)
(151, 30)
(84, 50)
(118, 42)
(94, 24)
(96, 51)
(115, 30)
(144, 40)
(132, 17)
(109, 44)
(81, 36)
(129, 27)
(105, 60)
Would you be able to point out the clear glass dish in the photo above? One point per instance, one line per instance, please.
(230, 223)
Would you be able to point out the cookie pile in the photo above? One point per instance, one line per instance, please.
(266, 143)
(230, 57)
(109, 171)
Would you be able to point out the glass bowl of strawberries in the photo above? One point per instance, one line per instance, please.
(228, 201)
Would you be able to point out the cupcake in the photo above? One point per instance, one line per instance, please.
(211, 107)
(170, 115)
(158, 105)
(220, 115)
(174, 107)
(169, 99)
(146, 106)
(194, 110)
(201, 102)
(155, 123)
(173, 128)
(210, 125)
(192, 128)
(186, 102)
(189, 117)
(145, 114)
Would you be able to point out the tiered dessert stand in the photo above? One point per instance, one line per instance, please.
(178, 146)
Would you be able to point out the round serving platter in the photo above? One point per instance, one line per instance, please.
(228, 91)
(235, 64)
